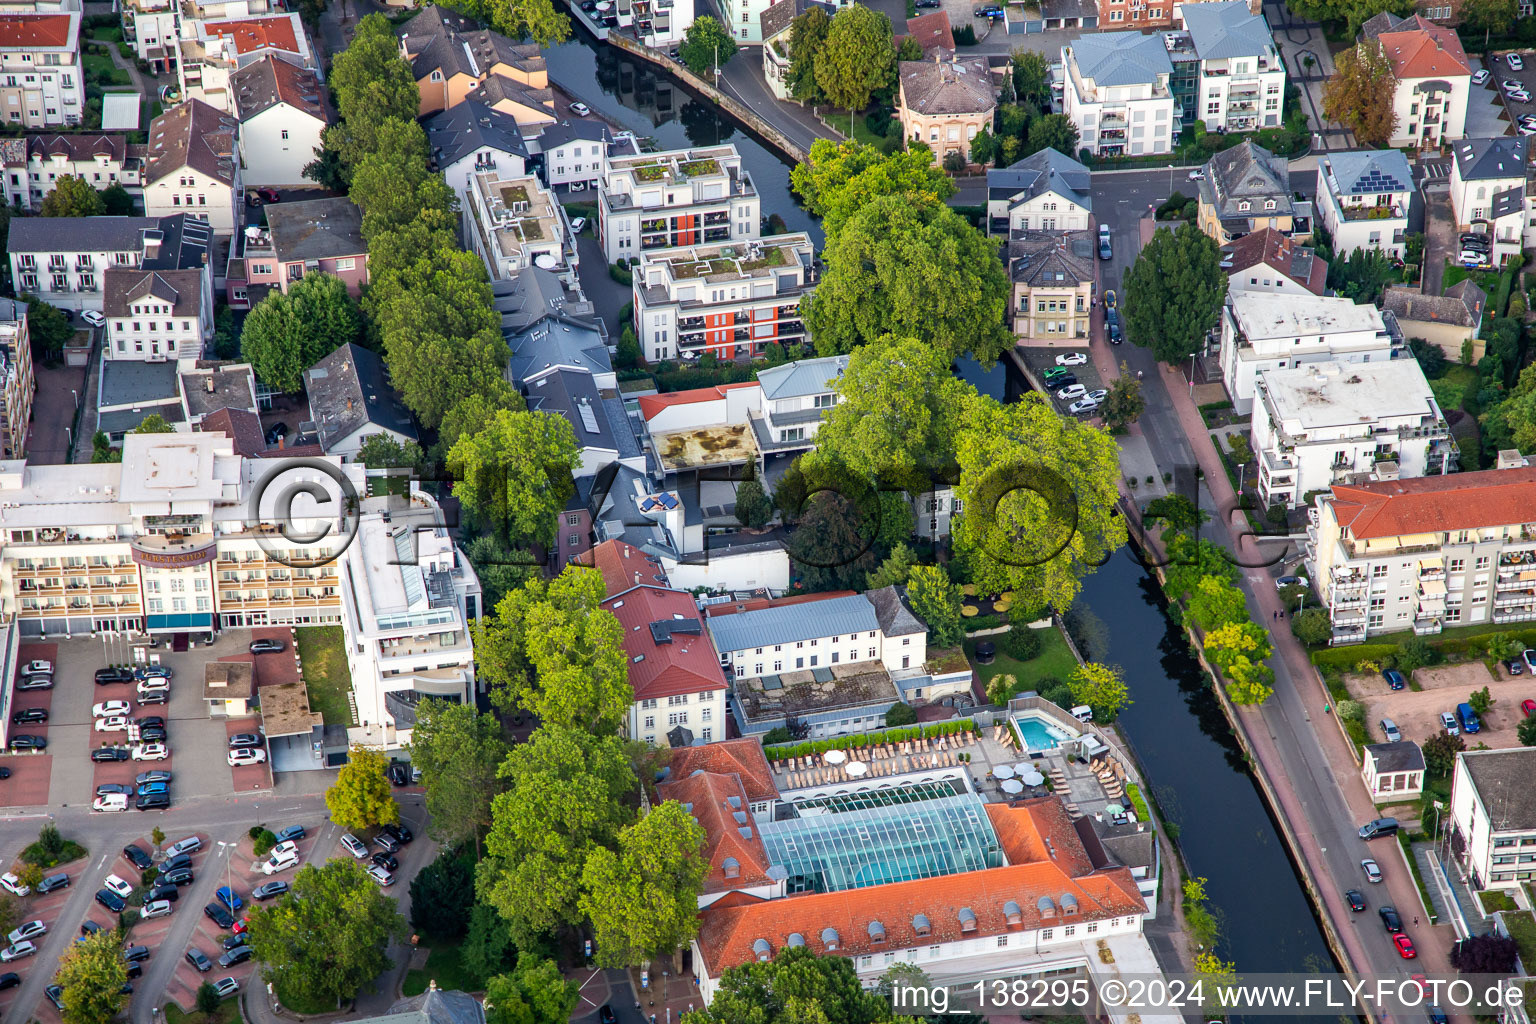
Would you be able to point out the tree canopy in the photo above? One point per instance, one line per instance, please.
(372, 83)
(514, 472)
(458, 751)
(392, 182)
(643, 898)
(73, 196)
(1360, 95)
(796, 987)
(706, 46)
(807, 36)
(1101, 687)
(286, 334)
(521, 19)
(857, 57)
(534, 992)
(92, 974)
(936, 601)
(1174, 292)
(360, 797)
(839, 178)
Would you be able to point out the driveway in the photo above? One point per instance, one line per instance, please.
(59, 389)
(1439, 238)
(1485, 106)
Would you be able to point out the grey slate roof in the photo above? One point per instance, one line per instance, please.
(318, 229)
(1403, 756)
(896, 619)
(196, 135)
(1461, 305)
(440, 39)
(1121, 58)
(1370, 172)
(434, 1006)
(624, 430)
(1227, 29)
(78, 234)
(1045, 171)
(120, 421)
(354, 375)
(802, 378)
(789, 623)
(1047, 259)
(1247, 172)
(573, 395)
(127, 382)
(1503, 782)
(780, 16)
(533, 293)
(469, 128)
(555, 341)
(960, 85)
(1508, 202)
(1486, 159)
(123, 286)
(496, 88)
(582, 129)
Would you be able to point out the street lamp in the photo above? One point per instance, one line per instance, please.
(229, 861)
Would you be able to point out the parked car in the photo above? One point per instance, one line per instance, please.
(1071, 392)
(156, 908)
(1395, 679)
(1082, 405)
(267, 645)
(28, 742)
(108, 754)
(1112, 326)
(30, 930)
(1061, 380)
(402, 833)
(153, 734)
(1106, 250)
(10, 979)
(158, 775)
(176, 863)
(152, 672)
(1355, 899)
(55, 994)
(354, 845)
(179, 877)
(154, 697)
(246, 755)
(1072, 359)
(279, 862)
(198, 959)
(241, 740)
(17, 951)
(1393, 734)
(238, 955)
(1515, 62)
(378, 874)
(163, 891)
(136, 954)
(1449, 724)
(111, 900)
(104, 676)
(30, 716)
(114, 723)
(1529, 657)
(11, 884)
(267, 890)
(34, 683)
(151, 752)
(37, 667)
(1372, 871)
(1290, 581)
(387, 843)
(87, 929)
(93, 318)
(226, 895)
(1481, 76)
(1404, 947)
(153, 802)
(276, 433)
(219, 916)
(53, 883)
(400, 773)
(1470, 723)
(1528, 707)
(580, 109)
(110, 802)
(292, 833)
(226, 987)
(119, 885)
(1380, 827)
(386, 861)
(1390, 920)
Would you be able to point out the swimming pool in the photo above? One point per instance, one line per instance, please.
(1038, 734)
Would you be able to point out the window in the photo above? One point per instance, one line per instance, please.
(677, 718)
(346, 264)
(285, 133)
(650, 721)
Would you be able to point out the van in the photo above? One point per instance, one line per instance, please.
(1468, 717)
(279, 862)
(1083, 713)
(1379, 828)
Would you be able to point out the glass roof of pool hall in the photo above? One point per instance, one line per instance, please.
(854, 840)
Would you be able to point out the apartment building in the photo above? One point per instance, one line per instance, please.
(1246, 189)
(167, 541)
(1044, 192)
(796, 398)
(1227, 72)
(1139, 14)
(514, 222)
(453, 56)
(1268, 331)
(729, 299)
(1488, 190)
(282, 112)
(17, 384)
(793, 635)
(1054, 277)
(470, 139)
(664, 23)
(62, 260)
(1268, 261)
(30, 167)
(408, 597)
(155, 315)
(576, 153)
(1117, 92)
(151, 28)
(1362, 199)
(194, 166)
(41, 80)
(1328, 423)
(945, 103)
(1493, 815)
(210, 52)
(316, 236)
(1432, 75)
(676, 197)
(1426, 553)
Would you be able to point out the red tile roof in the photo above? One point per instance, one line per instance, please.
(241, 425)
(1419, 48)
(1436, 504)
(650, 405)
(931, 31)
(708, 797)
(727, 932)
(1278, 252)
(36, 30)
(743, 758)
(252, 34)
(624, 566)
(685, 663)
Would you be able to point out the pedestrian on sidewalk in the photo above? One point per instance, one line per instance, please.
(1415, 920)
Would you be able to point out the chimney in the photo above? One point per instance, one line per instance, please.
(349, 405)
(1510, 458)
(208, 384)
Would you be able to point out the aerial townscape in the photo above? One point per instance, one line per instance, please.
(766, 511)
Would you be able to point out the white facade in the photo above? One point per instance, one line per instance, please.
(1428, 115)
(656, 23)
(776, 651)
(1488, 191)
(41, 79)
(677, 197)
(514, 223)
(150, 27)
(1362, 199)
(408, 597)
(191, 191)
(156, 316)
(277, 144)
(211, 51)
(727, 299)
(32, 166)
(1241, 83)
(1117, 94)
(1261, 331)
(1491, 809)
(460, 174)
(1328, 422)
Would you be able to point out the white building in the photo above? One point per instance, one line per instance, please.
(63, 260)
(1493, 809)
(1326, 423)
(194, 166)
(658, 23)
(1433, 78)
(469, 139)
(1362, 199)
(1043, 192)
(806, 635)
(155, 315)
(1269, 261)
(1426, 553)
(576, 152)
(1393, 772)
(727, 298)
(282, 114)
(1488, 190)
(150, 27)
(33, 165)
(514, 222)
(1241, 78)
(1264, 331)
(1117, 93)
(211, 51)
(408, 598)
(43, 83)
(676, 197)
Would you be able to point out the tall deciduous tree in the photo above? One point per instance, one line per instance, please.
(706, 47)
(535, 992)
(1101, 687)
(443, 894)
(73, 196)
(521, 19)
(1052, 131)
(325, 939)
(360, 797)
(1031, 77)
(287, 334)
(515, 472)
(458, 751)
(1216, 603)
(1173, 293)
(913, 269)
(936, 601)
(643, 899)
(840, 178)
(753, 509)
(372, 83)
(1490, 16)
(92, 975)
(796, 987)
(857, 58)
(807, 35)
(1360, 94)
(475, 410)
(1124, 403)
(566, 796)
(46, 326)
(391, 182)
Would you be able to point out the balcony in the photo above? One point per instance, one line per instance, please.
(1515, 599)
(1427, 626)
(1516, 581)
(1514, 615)
(1352, 581)
(1350, 634)
(1392, 211)
(1347, 616)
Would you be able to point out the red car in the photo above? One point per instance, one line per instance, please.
(241, 926)
(1404, 946)
(1529, 707)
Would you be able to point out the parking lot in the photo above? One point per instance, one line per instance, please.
(1417, 713)
(50, 909)
(1498, 65)
(1089, 377)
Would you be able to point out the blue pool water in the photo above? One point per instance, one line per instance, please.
(1038, 735)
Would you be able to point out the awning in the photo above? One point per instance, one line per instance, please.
(1433, 588)
(1431, 563)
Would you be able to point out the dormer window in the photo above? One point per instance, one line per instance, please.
(1068, 905)
(1013, 912)
(1269, 204)
(1046, 908)
(920, 925)
(967, 919)
(732, 867)
(829, 939)
(876, 932)
(761, 949)
(1243, 206)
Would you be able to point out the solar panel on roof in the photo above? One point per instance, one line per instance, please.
(588, 418)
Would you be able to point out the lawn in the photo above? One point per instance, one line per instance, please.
(1055, 661)
(444, 965)
(229, 1013)
(100, 71)
(1450, 388)
(323, 658)
(1522, 928)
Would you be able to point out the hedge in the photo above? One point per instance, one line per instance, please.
(1478, 643)
(869, 739)
(1348, 657)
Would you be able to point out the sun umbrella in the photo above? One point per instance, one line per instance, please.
(1003, 771)
(835, 757)
(1013, 786)
(857, 768)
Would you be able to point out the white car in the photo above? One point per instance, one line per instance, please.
(30, 930)
(1515, 62)
(1098, 395)
(247, 755)
(117, 723)
(11, 884)
(1084, 405)
(108, 708)
(1519, 97)
(1072, 359)
(37, 667)
(1525, 129)
(1481, 77)
(1197, 175)
(151, 752)
(119, 886)
(279, 862)
(111, 802)
(1512, 85)
(580, 109)
(354, 846)
(288, 849)
(16, 951)
(381, 875)
(1071, 391)
(577, 225)
(152, 684)
(93, 318)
